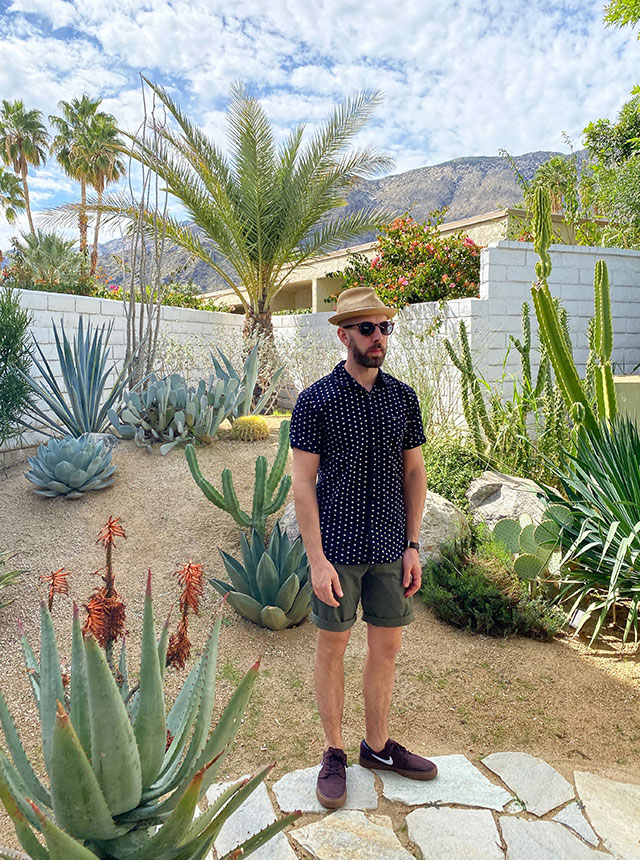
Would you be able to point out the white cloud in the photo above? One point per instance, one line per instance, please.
(460, 77)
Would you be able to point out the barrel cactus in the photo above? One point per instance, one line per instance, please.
(250, 428)
(124, 778)
(271, 588)
(71, 466)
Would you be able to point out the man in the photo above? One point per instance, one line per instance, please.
(359, 485)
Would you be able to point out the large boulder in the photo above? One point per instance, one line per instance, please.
(494, 496)
(442, 523)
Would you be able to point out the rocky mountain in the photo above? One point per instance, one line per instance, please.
(467, 186)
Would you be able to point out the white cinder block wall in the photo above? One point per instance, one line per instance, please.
(507, 270)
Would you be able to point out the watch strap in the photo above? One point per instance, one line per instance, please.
(413, 544)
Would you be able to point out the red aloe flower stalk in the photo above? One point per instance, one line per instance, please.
(190, 578)
(105, 609)
(107, 536)
(57, 582)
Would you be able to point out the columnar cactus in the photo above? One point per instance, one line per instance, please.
(554, 338)
(475, 410)
(269, 493)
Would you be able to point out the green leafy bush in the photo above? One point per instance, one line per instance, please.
(451, 466)
(460, 591)
(15, 360)
(414, 262)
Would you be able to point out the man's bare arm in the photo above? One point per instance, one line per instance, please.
(414, 487)
(324, 577)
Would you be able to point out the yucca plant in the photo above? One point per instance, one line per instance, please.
(85, 371)
(271, 586)
(601, 484)
(124, 777)
(71, 467)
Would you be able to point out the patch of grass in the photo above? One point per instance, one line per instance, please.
(230, 672)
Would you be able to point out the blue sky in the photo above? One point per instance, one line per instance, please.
(460, 77)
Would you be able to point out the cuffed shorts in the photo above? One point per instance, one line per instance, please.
(378, 586)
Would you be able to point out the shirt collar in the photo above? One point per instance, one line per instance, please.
(344, 379)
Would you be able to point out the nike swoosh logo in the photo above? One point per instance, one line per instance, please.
(383, 760)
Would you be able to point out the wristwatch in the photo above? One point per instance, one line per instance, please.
(413, 544)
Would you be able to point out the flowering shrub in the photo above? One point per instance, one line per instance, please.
(415, 263)
(175, 294)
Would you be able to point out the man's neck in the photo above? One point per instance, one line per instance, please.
(366, 376)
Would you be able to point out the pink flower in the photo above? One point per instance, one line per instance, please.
(113, 288)
(403, 282)
(468, 243)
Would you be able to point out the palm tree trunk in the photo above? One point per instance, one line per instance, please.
(258, 327)
(94, 250)
(27, 204)
(82, 218)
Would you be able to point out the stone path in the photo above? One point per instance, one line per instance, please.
(526, 811)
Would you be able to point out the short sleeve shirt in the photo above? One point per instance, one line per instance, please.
(360, 436)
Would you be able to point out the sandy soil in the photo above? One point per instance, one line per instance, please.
(456, 692)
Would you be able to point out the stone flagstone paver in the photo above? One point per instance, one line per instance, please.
(297, 790)
(572, 817)
(458, 781)
(614, 811)
(350, 835)
(537, 784)
(463, 834)
(251, 817)
(544, 840)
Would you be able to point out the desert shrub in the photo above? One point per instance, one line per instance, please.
(451, 466)
(461, 591)
(415, 263)
(174, 294)
(15, 392)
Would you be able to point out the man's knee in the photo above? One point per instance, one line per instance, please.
(332, 644)
(384, 643)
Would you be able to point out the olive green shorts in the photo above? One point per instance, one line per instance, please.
(378, 586)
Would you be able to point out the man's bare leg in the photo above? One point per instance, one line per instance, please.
(329, 683)
(377, 681)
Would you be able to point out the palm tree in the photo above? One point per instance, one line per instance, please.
(11, 195)
(101, 149)
(266, 208)
(23, 141)
(48, 257)
(69, 145)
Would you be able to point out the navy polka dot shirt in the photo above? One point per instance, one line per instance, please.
(360, 436)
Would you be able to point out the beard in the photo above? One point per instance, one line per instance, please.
(364, 359)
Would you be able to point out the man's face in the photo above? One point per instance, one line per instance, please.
(366, 351)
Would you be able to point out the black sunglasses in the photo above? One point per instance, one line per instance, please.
(366, 329)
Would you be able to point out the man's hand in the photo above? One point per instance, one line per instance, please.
(326, 583)
(412, 572)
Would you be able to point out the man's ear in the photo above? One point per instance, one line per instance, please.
(343, 335)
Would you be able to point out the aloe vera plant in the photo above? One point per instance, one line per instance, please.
(124, 776)
(269, 493)
(271, 586)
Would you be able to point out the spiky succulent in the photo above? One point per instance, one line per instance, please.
(124, 777)
(250, 428)
(71, 466)
(271, 587)
(171, 411)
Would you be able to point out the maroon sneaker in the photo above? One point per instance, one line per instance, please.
(331, 788)
(396, 758)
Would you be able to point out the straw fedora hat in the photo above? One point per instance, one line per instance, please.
(359, 302)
